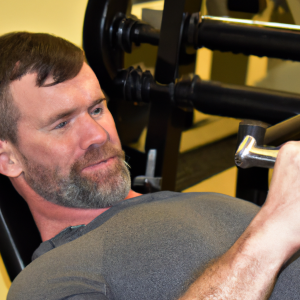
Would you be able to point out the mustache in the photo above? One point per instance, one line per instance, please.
(97, 154)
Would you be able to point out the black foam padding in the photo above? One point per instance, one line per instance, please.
(19, 236)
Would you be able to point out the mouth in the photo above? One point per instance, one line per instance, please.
(99, 165)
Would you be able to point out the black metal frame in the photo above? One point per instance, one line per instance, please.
(166, 121)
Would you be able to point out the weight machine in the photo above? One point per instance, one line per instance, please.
(170, 93)
(164, 102)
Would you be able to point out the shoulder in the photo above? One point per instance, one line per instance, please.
(204, 210)
(218, 203)
(215, 210)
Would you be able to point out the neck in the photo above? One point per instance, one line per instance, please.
(51, 218)
(58, 218)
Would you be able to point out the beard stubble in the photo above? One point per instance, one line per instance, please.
(98, 189)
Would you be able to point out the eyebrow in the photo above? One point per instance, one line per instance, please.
(68, 113)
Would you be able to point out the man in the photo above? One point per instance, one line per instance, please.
(101, 240)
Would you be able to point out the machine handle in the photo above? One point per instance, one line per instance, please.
(250, 155)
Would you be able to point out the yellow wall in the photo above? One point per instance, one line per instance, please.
(63, 18)
(4, 280)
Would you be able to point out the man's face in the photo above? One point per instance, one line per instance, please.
(68, 144)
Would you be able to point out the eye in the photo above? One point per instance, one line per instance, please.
(97, 111)
(61, 125)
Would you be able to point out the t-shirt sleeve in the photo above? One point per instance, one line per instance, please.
(63, 286)
(88, 296)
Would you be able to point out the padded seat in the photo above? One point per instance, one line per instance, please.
(19, 236)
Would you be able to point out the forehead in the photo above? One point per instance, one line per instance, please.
(34, 101)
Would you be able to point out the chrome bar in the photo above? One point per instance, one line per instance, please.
(250, 155)
(261, 24)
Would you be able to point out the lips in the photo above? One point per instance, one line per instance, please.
(99, 163)
(98, 158)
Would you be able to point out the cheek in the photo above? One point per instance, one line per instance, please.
(47, 152)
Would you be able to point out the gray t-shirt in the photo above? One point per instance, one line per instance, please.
(148, 247)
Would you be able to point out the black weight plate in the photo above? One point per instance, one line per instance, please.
(106, 59)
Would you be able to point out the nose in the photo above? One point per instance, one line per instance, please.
(92, 133)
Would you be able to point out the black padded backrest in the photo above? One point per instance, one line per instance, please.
(19, 236)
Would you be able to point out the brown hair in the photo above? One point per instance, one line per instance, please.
(22, 53)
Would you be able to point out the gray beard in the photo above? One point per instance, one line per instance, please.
(99, 190)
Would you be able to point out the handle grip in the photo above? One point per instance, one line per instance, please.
(250, 155)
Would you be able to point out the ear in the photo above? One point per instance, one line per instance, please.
(9, 163)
